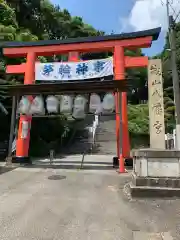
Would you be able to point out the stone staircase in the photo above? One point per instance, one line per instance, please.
(79, 150)
(106, 136)
(91, 162)
(81, 142)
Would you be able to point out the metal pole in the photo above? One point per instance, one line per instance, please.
(176, 88)
(175, 76)
(167, 10)
(13, 119)
(120, 116)
(121, 160)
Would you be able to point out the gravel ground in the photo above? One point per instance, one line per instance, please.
(54, 204)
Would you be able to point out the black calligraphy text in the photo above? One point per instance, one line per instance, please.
(158, 127)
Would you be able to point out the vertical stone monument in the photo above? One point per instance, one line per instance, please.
(156, 105)
(156, 171)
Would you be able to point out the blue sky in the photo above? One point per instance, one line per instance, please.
(107, 15)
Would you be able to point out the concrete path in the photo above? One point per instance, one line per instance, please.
(54, 204)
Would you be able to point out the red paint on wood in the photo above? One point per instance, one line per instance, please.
(143, 42)
(119, 73)
(22, 144)
(129, 62)
(136, 62)
(16, 68)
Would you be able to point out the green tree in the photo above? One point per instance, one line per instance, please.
(167, 75)
(33, 20)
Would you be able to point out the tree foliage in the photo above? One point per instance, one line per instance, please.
(33, 20)
(138, 119)
(167, 76)
(140, 91)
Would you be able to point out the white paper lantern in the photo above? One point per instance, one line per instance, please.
(79, 107)
(52, 104)
(66, 104)
(95, 103)
(24, 105)
(108, 104)
(37, 106)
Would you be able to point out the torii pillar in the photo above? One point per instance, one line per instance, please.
(23, 138)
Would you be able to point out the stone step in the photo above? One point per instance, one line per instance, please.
(81, 140)
(154, 182)
(133, 191)
(105, 132)
(105, 139)
(75, 161)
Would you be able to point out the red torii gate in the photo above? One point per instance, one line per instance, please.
(73, 47)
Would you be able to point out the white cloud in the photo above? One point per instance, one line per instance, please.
(147, 14)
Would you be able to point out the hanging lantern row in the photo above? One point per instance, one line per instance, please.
(67, 104)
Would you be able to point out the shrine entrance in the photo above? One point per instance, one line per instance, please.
(92, 105)
(117, 44)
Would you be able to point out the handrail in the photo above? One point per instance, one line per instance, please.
(14, 145)
(92, 131)
(95, 125)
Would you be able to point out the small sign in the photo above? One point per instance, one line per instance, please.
(25, 129)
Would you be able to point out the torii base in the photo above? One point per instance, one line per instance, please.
(22, 160)
(128, 162)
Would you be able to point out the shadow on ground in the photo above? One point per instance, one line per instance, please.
(5, 169)
(72, 165)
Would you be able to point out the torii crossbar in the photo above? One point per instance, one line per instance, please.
(74, 47)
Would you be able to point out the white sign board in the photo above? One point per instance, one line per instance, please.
(61, 71)
(25, 129)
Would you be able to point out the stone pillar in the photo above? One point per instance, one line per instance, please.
(156, 105)
(156, 171)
